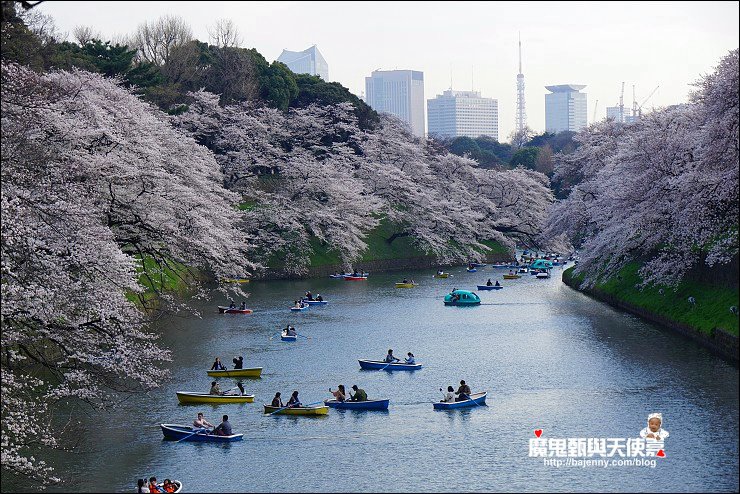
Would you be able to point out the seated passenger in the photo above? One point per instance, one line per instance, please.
(215, 389)
(410, 358)
(277, 402)
(217, 365)
(319, 297)
(238, 362)
(448, 397)
(339, 394)
(294, 401)
(497, 283)
(224, 428)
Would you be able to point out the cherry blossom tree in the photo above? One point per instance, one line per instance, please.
(93, 181)
(663, 191)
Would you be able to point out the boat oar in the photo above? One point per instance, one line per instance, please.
(471, 399)
(288, 406)
(200, 429)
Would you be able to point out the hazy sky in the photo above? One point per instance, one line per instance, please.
(669, 44)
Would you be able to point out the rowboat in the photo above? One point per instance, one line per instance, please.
(472, 270)
(462, 297)
(176, 482)
(489, 287)
(477, 265)
(511, 276)
(379, 364)
(336, 276)
(284, 337)
(355, 278)
(186, 397)
(299, 309)
(317, 410)
(543, 275)
(233, 310)
(477, 399)
(315, 302)
(234, 280)
(406, 285)
(176, 431)
(442, 275)
(252, 372)
(358, 405)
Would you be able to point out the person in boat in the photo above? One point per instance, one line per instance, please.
(294, 402)
(439, 272)
(355, 273)
(390, 358)
(299, 304)
(291, 331)
(153, 487)
(141, 486)
(497, 283)
(224, 428)
(340, 394)
(232, 305)
(309, 296)
(215, 389)
(217, 365)
(463, 392)
(449, 396)
(240, 385)
(243, 306)
(277, 402)
(238, 362)
(201, 422)
(489, 282)
(410, 359)
(511, 272)
(359, 395)
(169, 486)
(319, 297)
(405, 280)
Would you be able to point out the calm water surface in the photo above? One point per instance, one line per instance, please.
(549, 357)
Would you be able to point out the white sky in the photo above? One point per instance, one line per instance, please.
(598, 44)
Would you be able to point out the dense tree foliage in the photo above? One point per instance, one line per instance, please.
(663, 190)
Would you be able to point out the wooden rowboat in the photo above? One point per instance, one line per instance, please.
(358, 405)
(176, 431)
(478, 399)
(186, 397)
(252, 372)
(312, 411)
(233, 310)
(379, 364)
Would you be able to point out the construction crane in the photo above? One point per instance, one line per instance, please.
(634, 103)
(621, 104)
(639, 108)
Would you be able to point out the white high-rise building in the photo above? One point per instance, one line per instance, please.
(462, 113)
(400, 93)
(565, 108)
(308, 61)
(624, 115)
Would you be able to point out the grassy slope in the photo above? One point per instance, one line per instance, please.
(167, 281)
(712, 302)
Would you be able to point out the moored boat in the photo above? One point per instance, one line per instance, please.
(317, 410)
(477, 399)
(380, 365)
(187, 397)
(461, 298)
(233, 310)
(251, 372)
(511, 276)
(177, 431)
(358, 405)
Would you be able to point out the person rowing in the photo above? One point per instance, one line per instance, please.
(215, 389)
(289, 331)
(359, 395)
(497, 283)
(276, 401)
(390, 358)
(294, 402)
(201, 422)
(309, 296)
(319, 297)
(463, 392)
(489, 282)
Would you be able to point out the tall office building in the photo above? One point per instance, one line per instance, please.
(400, 93)
(462, 113)
(565, 108)
(624, 115)
(308, 61)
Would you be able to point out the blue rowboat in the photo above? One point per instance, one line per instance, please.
(489, 287)
(288, 338)
(358, 405)
(478, 399)
(299, 309)
(315, 302)
(379, 364)
(478, 265)
(175, 431)
(472, 270)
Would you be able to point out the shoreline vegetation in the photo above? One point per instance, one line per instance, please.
(707, 321)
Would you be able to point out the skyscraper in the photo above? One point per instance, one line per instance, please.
(521, 112)
(462, 113)
(308, 61)
(565, 108)
(399, 92)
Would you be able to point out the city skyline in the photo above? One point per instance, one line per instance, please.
(474, 46)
